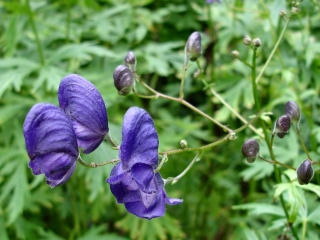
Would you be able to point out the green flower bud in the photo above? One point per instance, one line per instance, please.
(247, 40)
(293, 111)
(250, 149)
(193, 47)
(130, 61)
(282, 126)
(184, 143)
(305, 172)
(256, 42)
(123, 80)
(235, 53)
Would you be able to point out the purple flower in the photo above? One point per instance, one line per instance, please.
(211, 1)
(51, 143)
(83, 103)
(133, 181)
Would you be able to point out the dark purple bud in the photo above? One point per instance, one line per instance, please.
(293, 111)
(193, 46)
(130, 61)
(305, 172)
(123, 80)
(250, 149)
(51, 143)
(282, 126)
(83, 103)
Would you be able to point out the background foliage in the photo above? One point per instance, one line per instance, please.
(224, 197)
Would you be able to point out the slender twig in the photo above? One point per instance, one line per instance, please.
(227, 105)
(35, 32)
(264, 127)
(96, 165)
(163, 160)
(276, 162)
(182, 82)
(273, 51)
(303, 145)
(177, 178)
(187, 104)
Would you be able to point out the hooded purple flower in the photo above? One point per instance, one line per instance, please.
(51, 143)
(211, 1)
(83, 103)
(133, 181)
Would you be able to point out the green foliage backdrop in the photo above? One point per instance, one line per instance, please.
(224, 197)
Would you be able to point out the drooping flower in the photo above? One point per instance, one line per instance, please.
(211, 1)
(133, 181)
(51, 143)
(84, 105)
(293, 111)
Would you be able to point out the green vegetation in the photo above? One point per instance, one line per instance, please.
(225, 197)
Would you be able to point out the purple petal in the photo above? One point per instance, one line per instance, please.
(143, 174)
(57, 167)
(83, 103)
(138, 208)
(139, 139)
(51, 143)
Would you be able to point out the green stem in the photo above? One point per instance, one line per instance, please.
(182, 82)
(96, 165)
(113, 143)
(177, 178)
(163, 160)
(273, 51)
(264, 127)
(227, 105)
(35, 32)
(303, 145)
(304, 229)
(276, 162)
(229, 136)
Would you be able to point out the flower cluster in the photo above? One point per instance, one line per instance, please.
(54, 135)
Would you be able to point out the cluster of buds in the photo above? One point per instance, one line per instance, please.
(250, 149)
(291, 116)
(256, 42)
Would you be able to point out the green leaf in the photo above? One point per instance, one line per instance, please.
(260, 209)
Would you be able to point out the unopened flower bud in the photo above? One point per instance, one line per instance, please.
(282, 126)
(130, 61)
(294, 10)
(293, 111)
(235, 53)
(282, 13)
(256, 42)
(305, 172)
(250, 149)
(193, 47)
(123, 80)
(247, 40)
(183, 143)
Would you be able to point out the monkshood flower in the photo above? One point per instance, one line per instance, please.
(211, 1)
(51, 143)
(133, 181)
(83, 103)
(123, 80)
